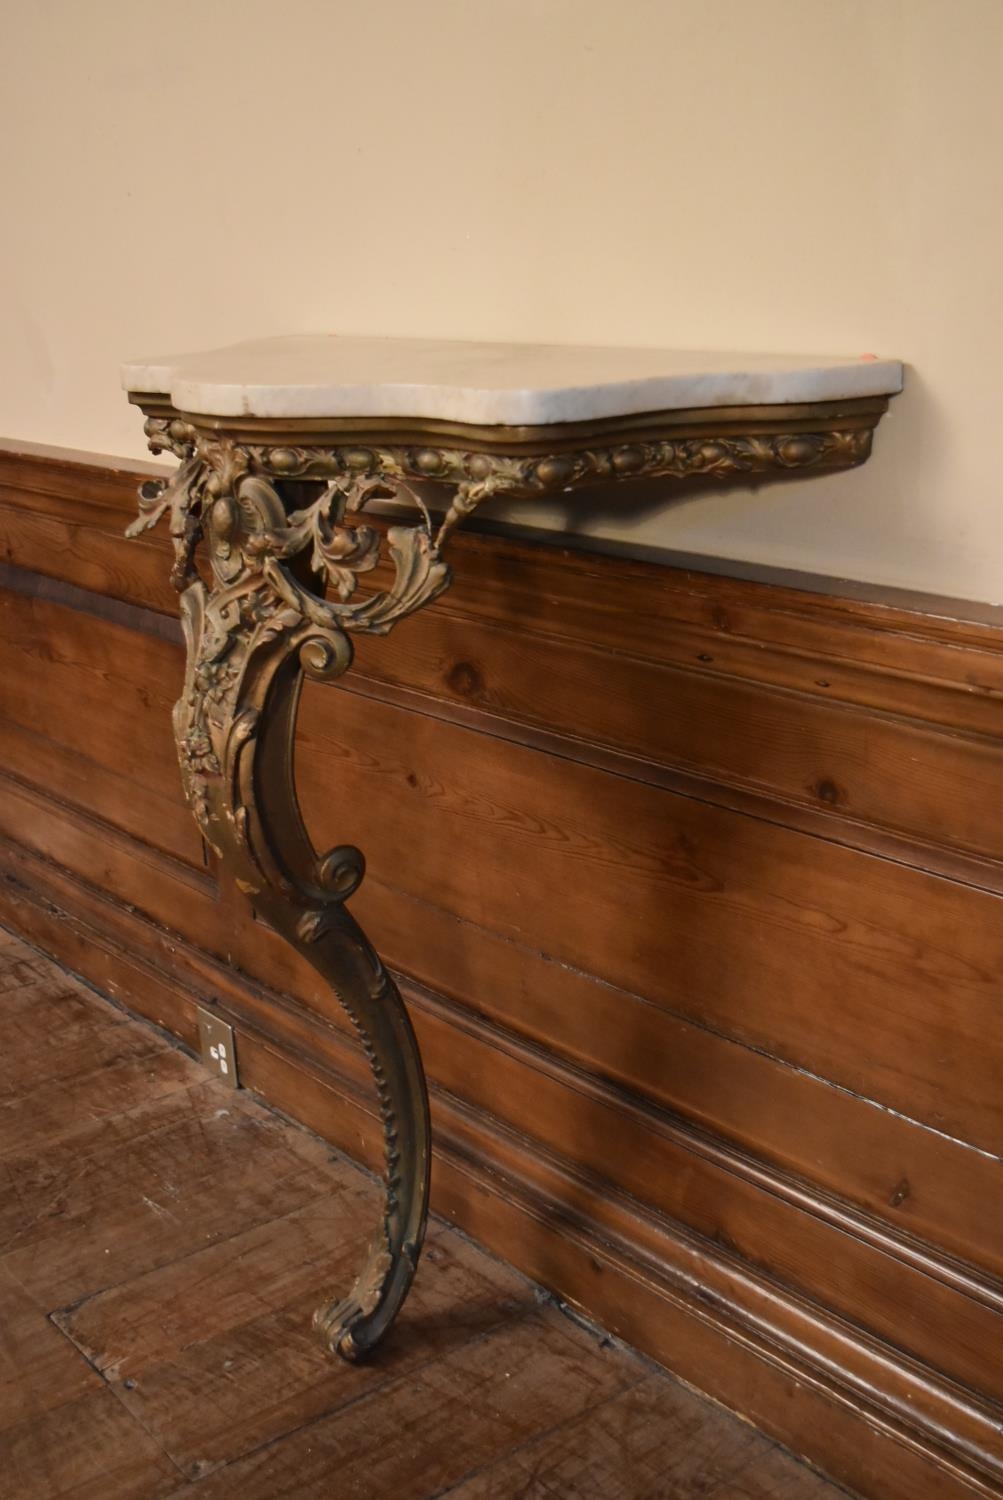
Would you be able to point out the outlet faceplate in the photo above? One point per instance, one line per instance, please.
(219, 1052)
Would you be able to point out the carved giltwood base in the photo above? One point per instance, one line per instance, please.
(235, 727)
(280, 523)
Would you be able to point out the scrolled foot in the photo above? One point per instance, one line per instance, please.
(353, 1326)
(340, 1326)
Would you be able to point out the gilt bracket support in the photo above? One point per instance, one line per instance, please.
(279, 515)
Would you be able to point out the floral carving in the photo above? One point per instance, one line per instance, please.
(476, 476)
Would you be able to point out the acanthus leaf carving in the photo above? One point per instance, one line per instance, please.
(283, 602)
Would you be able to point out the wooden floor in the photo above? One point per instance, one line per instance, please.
(163, 1242)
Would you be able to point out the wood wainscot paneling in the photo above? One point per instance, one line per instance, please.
(695, 889)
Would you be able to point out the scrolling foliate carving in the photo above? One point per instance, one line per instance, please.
(477, 476)
(286, 561)
(228, 495)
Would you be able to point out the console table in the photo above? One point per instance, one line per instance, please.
(283, 444)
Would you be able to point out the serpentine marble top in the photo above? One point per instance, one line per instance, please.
(326, 375)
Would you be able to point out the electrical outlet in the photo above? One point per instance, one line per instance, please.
(217, 1045)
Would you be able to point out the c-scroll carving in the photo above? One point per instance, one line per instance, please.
(283, 602)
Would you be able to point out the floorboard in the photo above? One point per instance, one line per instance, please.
(163, 1242)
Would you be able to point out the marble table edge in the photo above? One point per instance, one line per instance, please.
(452, 381)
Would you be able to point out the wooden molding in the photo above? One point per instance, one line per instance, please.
(707, 986)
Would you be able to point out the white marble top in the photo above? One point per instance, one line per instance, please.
(326, 375)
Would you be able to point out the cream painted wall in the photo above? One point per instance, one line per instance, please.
(789, 175)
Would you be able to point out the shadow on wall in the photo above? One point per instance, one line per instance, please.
(914, 458)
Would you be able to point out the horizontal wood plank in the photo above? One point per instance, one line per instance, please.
(790, 944)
